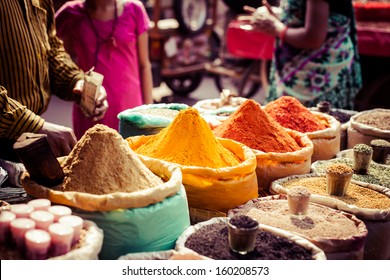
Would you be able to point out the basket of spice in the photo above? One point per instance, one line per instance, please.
(211, 239)
(135, 202)
(340, 235)
(342, 115)
(279, 152)
(147, 119)
(38, 230)
(218, 174)
(322, 129)
(368, 202)
(369, 125)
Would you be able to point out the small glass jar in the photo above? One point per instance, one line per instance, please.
(242, 231)
(380, 150)
(298, 199)
(338, 178)
(362, 155)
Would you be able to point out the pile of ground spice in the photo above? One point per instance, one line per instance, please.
(189, 141)
(356, 195)
(250, 125)
(212, 241)
(319, 222)
(378, 119)
(290, 113)
(339, 169)
(376, 173)
(102, 162)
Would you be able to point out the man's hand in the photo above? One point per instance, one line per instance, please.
(101, 104)
(61, 138)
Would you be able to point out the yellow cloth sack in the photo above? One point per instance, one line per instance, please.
(272, 166)
(327, 141)
(216, 189)
(119, 200)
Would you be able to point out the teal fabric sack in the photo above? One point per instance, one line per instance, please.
(133, 122)
(152, 228)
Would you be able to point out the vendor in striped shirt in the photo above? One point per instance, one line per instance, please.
(34, 65)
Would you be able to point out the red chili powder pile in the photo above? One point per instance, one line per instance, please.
(250, 125)
(290, 113)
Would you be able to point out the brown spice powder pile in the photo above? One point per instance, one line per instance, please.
(102, 162)
(320, 221)
(356, 195)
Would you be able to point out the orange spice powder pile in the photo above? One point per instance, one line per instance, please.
(289, 112)
(250, 125)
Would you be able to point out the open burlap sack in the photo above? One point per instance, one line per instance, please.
(317, 253)
(211, 191)
(377, 221)
(335, 248)
(271, 166)
(359, 133)
(327, 141)
(112, 201)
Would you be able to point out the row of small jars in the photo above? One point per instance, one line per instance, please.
(38, 230)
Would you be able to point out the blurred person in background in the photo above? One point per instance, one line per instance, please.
(316, 56)
(112, 37)
(33, 66)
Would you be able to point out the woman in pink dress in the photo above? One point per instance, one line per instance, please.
(112, 37)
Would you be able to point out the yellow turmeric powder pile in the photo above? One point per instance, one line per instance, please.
(189, 141)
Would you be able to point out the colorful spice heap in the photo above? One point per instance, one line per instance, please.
(189, 141)
(102, 163)
(250, 125)
(290, 113)
(357, 195)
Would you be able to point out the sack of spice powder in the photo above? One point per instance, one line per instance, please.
(327, 141)
(369, 203)
(215, 190)
(211, 238)
(272, 165)
(340, 235)
(369, 125)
